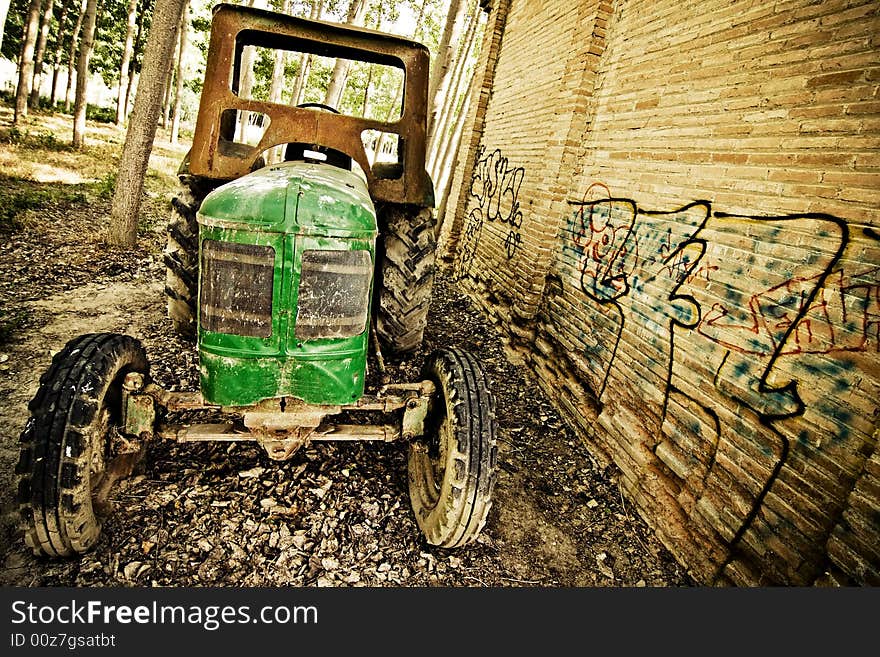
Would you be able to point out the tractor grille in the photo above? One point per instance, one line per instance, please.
(236, 288)
(334, 294)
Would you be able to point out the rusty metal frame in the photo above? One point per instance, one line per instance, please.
(234, 26)
(280, 425)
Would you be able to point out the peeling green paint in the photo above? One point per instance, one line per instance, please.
(292, 207)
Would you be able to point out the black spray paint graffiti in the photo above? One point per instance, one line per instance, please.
(711, 301)
(494, 196)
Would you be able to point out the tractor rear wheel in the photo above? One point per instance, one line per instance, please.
(182, 260)
(67, 459)
(405, 277)
(452, 471)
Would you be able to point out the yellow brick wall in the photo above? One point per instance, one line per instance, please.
(695, 188)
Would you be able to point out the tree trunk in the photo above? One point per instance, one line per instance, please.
(175, 118)
(276, 87)
(40, 53)
(82, 73)
(166, 93)
(449, 159)
(245, 84)
(142, 124)
(131, 65)
(71, 54)
(366, 98)
(394, 110)
(305, 60)
(26, 64)
(126, 60)
(439, 137)
(56, 56)
(356, 11)
(440, 75)
(4, 10)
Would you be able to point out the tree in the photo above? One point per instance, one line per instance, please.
(142, 124)
(447, 160)
(356, 11)
(175, 119)
(40, 53)
(4, 10)
(71, 53)
(82, 73)
(133, 64)
(440, 76)
(59, 47)
(438, 140)
(26, 63)
(305, 59)
(276, 86)
(394, 107)
(245, 83)
(121, 105)
(446, 137)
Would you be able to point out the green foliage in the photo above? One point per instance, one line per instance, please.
(44, 139)
(110, 31)
(100, 114)
(14, 29)
(112, 25)
(264, 64)
(106, 186)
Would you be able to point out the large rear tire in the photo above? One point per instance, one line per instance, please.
(182, 260)
(67, 446)
(452, 471)
(405, 277)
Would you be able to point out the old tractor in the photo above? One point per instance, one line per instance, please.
(293, 275)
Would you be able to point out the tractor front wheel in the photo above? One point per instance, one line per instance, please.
(452, 471)
(66, 460)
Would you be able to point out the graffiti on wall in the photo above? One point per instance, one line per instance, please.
(494, 197)
(731, 316)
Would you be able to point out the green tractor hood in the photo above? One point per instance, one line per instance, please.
(286, 261)
(294, 197)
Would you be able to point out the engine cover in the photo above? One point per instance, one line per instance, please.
(286, 259)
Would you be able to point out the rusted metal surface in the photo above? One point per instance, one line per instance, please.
(217, 431)
(234, 27)
(139, 409)
(414, 417)
(283, 425)
(386, 432)
(177, 401)
(389, 398)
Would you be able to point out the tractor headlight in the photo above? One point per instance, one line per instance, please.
(334, 294)
(236, 288)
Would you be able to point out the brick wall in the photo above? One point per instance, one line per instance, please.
(674, 211)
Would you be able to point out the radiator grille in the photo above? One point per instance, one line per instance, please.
(334, 291)
(236, 288)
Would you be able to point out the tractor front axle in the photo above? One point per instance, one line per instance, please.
(281, 426)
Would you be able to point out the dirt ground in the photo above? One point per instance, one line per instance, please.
(227, 515)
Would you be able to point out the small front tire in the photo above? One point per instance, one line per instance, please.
(66, 445)
(452, 472)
